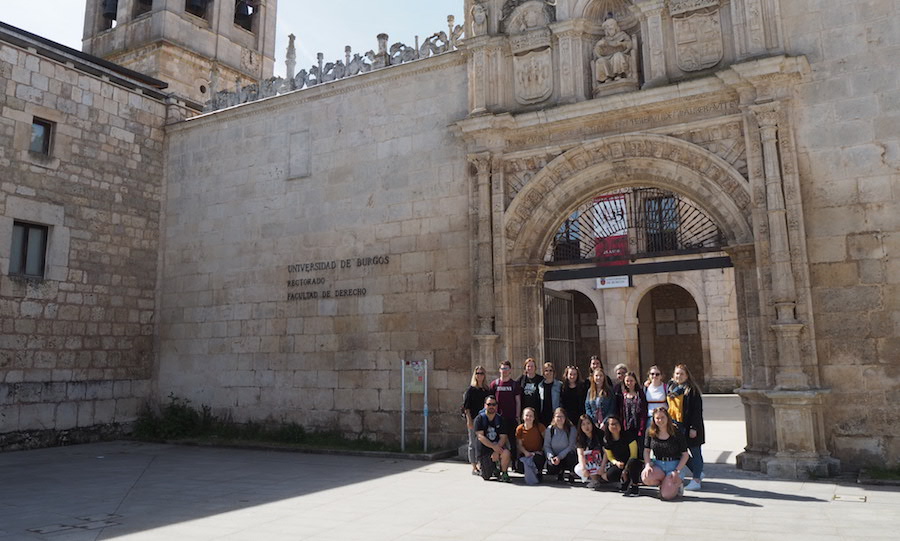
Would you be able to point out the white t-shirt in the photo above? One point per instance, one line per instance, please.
(656, 397)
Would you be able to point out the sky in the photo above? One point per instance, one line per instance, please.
(325, 27)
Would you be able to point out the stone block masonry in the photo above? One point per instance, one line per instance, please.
(294, 297)
(77, 344)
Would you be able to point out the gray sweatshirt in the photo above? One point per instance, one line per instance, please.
(558, 443)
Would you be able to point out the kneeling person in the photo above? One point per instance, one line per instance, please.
(493, 441)
(530, 443)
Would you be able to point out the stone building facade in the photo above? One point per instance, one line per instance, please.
(313, 240)
(78, 324)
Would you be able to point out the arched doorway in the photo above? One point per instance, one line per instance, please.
(669, 331)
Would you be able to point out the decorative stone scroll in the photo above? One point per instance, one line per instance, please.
(697, 27)
(324, 72)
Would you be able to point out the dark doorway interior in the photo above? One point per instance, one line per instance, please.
(669, 332)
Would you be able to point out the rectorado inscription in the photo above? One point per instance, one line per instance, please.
(333, 265)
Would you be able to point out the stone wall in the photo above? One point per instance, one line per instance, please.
(76, 347)
(314, 240)
(846, 127)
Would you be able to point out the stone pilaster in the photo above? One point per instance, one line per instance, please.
(571, 52)
(654, 48)
(485, 338)
(800, 436)
(760, 437)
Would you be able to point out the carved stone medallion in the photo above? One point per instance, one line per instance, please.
(698, 40)
(533, 76)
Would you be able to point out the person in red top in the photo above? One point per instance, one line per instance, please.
(508, 393)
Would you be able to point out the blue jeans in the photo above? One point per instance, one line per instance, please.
(695, 462)
(667, 466)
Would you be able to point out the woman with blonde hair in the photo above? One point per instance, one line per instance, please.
(685, 403)
(473, 402)
(655, 392)
(600, 402)
(559, 445)
(668, 449)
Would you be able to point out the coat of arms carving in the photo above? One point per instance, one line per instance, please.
(698, 37)
(533, 76)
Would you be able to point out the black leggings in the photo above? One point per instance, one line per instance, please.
(566, 464)
(633, 468)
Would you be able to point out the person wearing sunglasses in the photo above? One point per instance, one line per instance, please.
(473, 402)
(493, 456)
(655, 390)
(550, 392)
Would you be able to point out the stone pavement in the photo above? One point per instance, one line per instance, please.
(132, 490)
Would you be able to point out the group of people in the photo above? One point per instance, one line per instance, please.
(605, 432)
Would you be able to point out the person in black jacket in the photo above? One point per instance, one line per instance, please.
(686, 408)
(473, 402)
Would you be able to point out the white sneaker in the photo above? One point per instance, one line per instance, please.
(702, 476)
(693, 485)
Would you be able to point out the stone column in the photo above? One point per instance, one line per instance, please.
(787, 328)
(524, 311)
(484, 352)
(654, 48)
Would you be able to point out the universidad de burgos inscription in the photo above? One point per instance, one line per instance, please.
(306, 279)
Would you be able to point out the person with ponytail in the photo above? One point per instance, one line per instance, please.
(685, 403)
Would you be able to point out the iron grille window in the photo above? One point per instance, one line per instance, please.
(28, 251)
(633, 223)
(662, 224)
(41, 132)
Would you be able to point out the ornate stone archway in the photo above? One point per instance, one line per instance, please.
(778, 349)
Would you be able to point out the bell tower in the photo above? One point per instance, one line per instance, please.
(197, 46)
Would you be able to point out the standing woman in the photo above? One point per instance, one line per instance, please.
(589, 444)
(632, 408)
(559, 445)
(655, 391)
(473, 402)
(573, 394)
(600, 402)
(530, 382)
(621, 462)
(686, 408)
(667, 446)
(550, 391)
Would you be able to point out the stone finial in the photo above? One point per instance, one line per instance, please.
(291, 57)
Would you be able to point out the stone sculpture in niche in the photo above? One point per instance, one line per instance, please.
(479, 20)
(614, 68)
(612, 53)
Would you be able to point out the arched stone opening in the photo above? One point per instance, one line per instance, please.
(669, 332)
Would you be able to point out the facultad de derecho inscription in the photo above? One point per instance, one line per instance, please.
(302, 278)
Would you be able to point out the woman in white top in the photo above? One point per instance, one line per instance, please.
(655, 391)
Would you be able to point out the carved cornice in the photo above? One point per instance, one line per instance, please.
(680, 7)
(326, 90)
(529, 41)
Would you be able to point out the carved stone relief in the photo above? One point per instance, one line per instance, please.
(725, 141)
(522, 15)
(479, 20)
(533, 76)
(518, 173)
(697, 27)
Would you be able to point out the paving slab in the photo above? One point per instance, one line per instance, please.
(130, 490)
(142, 491)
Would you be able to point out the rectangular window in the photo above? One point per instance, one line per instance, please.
(196, 7)
(142, 6)
(41, 133)
(244, 12)
(29, 250)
